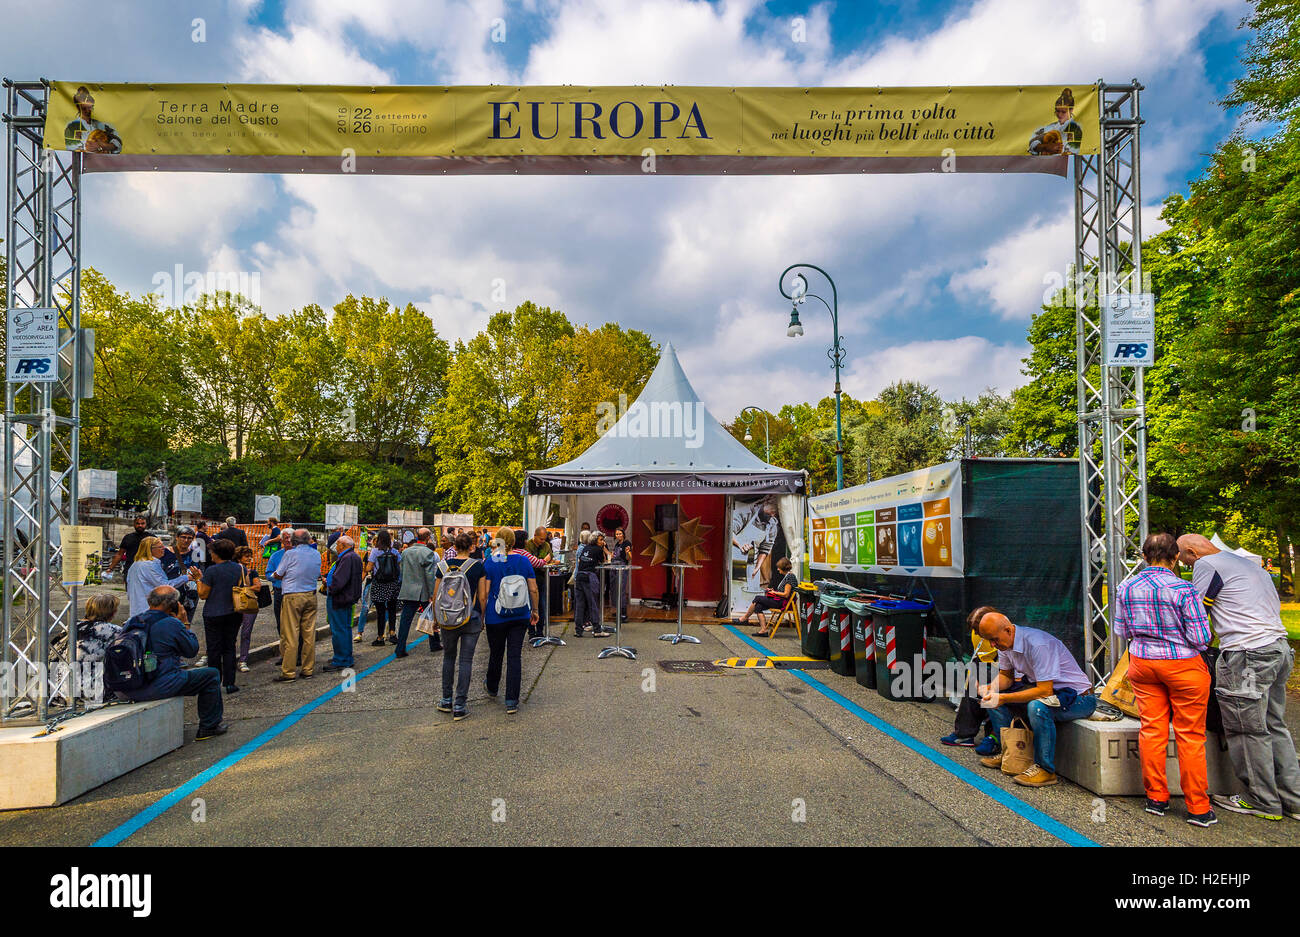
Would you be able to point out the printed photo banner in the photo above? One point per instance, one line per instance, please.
(571, 129)
(909, 524)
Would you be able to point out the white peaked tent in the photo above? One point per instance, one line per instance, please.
(1240, 551)
(666, 443)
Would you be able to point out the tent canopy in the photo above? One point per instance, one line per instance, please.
(1240, 551)
(666, 442)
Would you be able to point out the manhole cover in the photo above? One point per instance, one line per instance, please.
(689, 666)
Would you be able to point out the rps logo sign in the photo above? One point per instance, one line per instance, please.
(31, 366)
(1130, 350)
(32, 346)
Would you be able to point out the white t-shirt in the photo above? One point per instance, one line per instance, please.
(1245, 610)
(555, 544)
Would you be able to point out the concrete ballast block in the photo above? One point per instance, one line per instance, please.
(45, 770)
(1103, 757)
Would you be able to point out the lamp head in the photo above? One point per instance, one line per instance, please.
(748, 436)
(795, 329)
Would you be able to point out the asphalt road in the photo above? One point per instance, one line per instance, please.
(602, 752)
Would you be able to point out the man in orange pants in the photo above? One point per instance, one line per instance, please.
(1162, 616)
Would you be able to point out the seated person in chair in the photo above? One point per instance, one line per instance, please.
(1059, 691)
(772, 599)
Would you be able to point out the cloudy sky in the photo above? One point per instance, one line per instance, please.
(938, 276)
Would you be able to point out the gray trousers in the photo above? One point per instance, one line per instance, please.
(1252, 697)
(586, 602)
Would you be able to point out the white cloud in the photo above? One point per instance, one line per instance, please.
(1019, 273)
(956, 367)
(307, 55)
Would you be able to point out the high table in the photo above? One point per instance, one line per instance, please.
(553, 581)
(678, 638)
(617, 650)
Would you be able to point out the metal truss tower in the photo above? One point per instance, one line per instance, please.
(1111, 401)
(43, 255)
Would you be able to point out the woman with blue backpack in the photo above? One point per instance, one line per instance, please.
(384, 566)
(507, 594)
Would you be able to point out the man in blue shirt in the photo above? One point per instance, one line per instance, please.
(171, 640)
(298, 572)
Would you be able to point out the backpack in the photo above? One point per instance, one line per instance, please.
(512, 595)
(387, 567)
(128, 662)
(454, 605)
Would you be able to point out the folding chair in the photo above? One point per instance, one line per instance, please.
(774, 618)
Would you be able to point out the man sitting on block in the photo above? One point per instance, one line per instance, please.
(1059, 691)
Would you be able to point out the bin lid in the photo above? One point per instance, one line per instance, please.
(857, 606)
(831, 600)
(807, 588)
(896, 606)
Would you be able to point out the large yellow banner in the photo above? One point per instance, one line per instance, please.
(169, 126)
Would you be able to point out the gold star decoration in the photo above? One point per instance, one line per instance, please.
(690, 541)
(658, 545)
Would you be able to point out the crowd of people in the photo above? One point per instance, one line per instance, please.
(407, 577)
(1211, 651)
(1207, 652)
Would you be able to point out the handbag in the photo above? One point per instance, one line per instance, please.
(243, 596)
(1119, 691)
(264, 595)
(1017, 747)
(426, 624)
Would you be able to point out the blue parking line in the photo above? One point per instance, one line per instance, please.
(157, 809)
(1035, 816)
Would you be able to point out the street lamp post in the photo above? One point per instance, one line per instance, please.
(797, 295)
(767, 429)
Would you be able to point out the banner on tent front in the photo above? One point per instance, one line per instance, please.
(198, 126)
(757, 542)
(453, 520)
(405, 518)
(907, 524)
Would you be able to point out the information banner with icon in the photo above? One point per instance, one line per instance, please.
(187, 498)
(265, 507)
(340, 515)
(405, 518)
(903, 524)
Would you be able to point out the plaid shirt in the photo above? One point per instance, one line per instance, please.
(1162, 615)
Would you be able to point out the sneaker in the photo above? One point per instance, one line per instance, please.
(458, 714)
(1034, 776)
(491, 693)
(1157, 807)
(1204, 819)
(202, 661)
(602, 634)
(444, 705)
(992, 761)
(378, 642)
(231, 689)
(960, 741)
(987, 746)
(512, 708)
(1238, 804)
(212, 732)
(1052, 700)
(243, 667)
(357, 639)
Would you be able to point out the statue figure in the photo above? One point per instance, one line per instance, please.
(158, 485)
